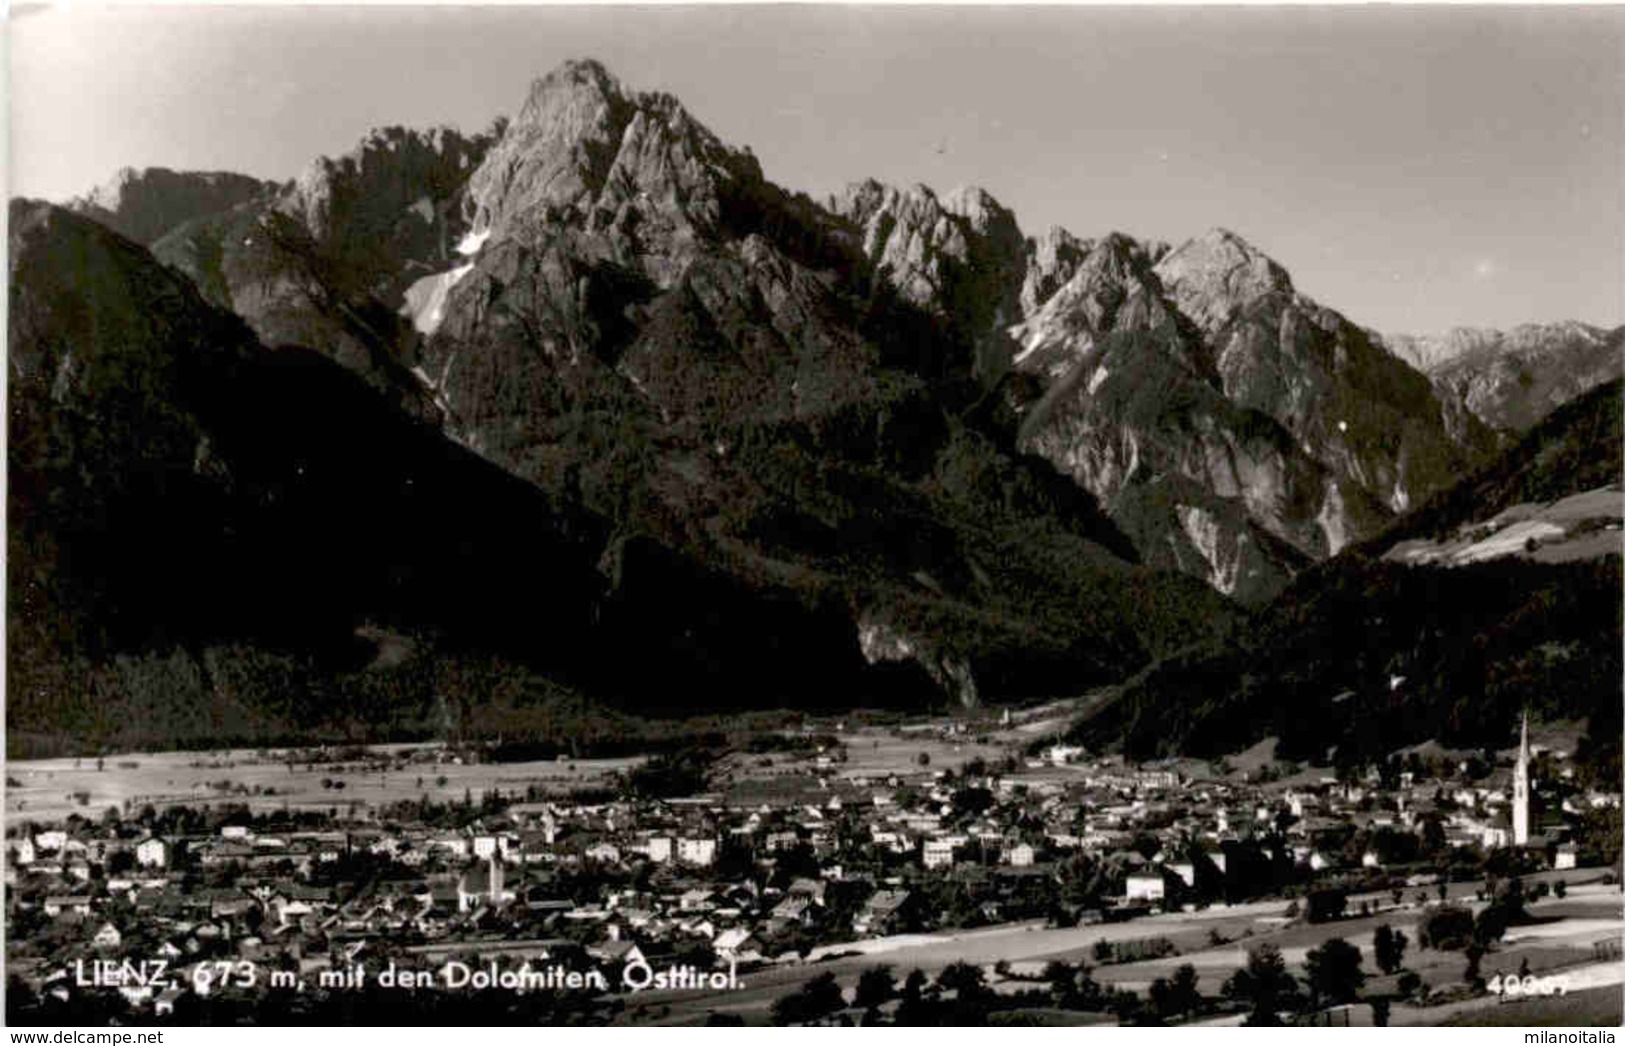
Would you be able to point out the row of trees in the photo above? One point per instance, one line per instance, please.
(1333, 974)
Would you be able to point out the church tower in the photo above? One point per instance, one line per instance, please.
(1520, 789)
(495, 879)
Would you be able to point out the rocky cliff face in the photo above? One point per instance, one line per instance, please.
(918, 436)
(393, 207)
(1510, 380)
(183, 496)
(329, 259)
(706, 375)
(756, 379)
(961, 259)
(633, 169)
(1233, 427)
(145, 204)
(1355, 660)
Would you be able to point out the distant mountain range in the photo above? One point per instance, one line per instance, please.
(588, 394)
(1512, 379)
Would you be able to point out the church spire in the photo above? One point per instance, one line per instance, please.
(1520, 788)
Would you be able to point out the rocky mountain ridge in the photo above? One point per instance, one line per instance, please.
(1512, 379)
(1497, 596)
(145, 204)
(1019, 465)
(740, 437)
(628, 185)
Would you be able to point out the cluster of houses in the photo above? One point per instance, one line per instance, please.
(730, 882)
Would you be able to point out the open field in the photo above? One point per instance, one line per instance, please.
(1590, 912)
(1583, 526)
(876, 755)
(1593, 1006)
(50, 788)
(873, 754)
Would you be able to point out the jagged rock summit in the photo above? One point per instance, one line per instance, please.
(144, 204)
(605, 255)
(585, 150)
(1217, 275)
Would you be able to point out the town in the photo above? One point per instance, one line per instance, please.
(810, 867)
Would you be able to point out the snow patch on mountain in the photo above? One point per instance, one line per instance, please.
(426, 298)
(471, 242)
(1205, 534)
(1333, 519)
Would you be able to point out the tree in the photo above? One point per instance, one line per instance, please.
(1263, 984)
(1561, 889)
(1446, 929)
(970, 802)
(924, 759)
(1334, 972)
(1125, 1005)
(1380, 1008)
(1493, 921)
(913, 1010)
(1389, 946)
(1062, 980)
(819, 997)
(1185, 996)
(1327, 905)
(964, 979)
(1475, 954)
(876, 986)
(1162, 998)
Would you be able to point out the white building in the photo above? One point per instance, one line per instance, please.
(1144, 888)
(938, 853)
(1060, 755)
(701, 851)
(483, 886)
(1520, 790)
(152, 852)
(1020, 856)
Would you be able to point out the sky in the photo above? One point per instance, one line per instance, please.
(1414, 168)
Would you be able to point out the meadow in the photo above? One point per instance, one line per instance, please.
(51, 789)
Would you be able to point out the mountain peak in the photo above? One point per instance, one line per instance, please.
(1231, 249)
(973, 201)
(1217, 274)
(577, 73)
(586, 150)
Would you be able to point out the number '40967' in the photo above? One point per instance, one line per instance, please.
(1526, 985)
